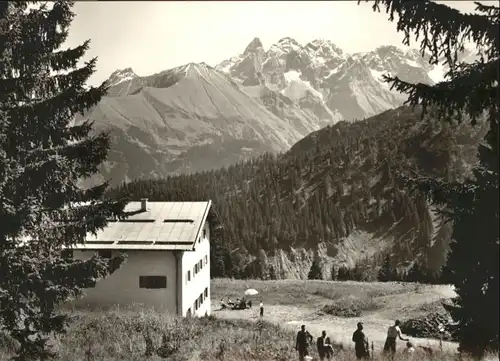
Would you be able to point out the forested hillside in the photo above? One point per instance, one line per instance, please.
(333, 200)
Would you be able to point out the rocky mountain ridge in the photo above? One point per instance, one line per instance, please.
(349, 85)
(196, 117)
(190, 118)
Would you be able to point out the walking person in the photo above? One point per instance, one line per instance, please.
(393, 332)
(361, 344)
(325, 349)
(261, 309)
(302, 342)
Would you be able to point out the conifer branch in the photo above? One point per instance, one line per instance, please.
(454, 96)
(443, 30)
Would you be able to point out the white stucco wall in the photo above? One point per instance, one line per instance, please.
(122, 287)
(192, 289)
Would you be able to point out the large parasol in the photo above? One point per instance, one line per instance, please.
(251, 292)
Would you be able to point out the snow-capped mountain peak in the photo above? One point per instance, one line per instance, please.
(196, 117)
(324, 47)
(192, 68)
(350, 84)
(121, 75)
(285, 45)
(253, 46)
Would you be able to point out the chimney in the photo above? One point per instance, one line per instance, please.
(144, 203)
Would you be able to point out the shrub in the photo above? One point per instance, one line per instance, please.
(350, 307)
(427, 326)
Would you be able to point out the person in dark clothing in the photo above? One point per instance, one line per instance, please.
(361, 345)
(329, 350)
(261, 309)
(302, 342)
(393, 332)
(325, 349)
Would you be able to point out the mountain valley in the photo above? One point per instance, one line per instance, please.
(333, 198)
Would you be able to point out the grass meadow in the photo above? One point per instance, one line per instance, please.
(135, 333)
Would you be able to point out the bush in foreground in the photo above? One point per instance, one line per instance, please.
(427, 326)
(351, 307)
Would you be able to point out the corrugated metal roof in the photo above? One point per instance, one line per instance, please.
(163, 226)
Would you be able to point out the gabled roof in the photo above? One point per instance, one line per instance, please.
(163, 226)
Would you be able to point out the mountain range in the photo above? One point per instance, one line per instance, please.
(333, 198)
(197, 117)
(299, 147)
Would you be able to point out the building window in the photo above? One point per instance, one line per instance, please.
(188, 313)
(67, 253)
(206, 292)
(204, 233)
(206, 259)
(105, 253)
(152, 282)
(199, 240)
(189, 276)
(196, 305)
(200, 299)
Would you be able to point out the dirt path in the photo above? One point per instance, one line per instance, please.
(341, 329)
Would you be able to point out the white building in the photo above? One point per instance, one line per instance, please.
(168, 258)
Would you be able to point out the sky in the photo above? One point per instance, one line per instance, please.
(151, 36)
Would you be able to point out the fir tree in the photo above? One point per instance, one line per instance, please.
(218, 256)
(342, 274)
(415, 274)
(446, 276)
(42, 160)
(470, 91)
(357, 273)
(386, 272)
(315, 272)
(262, 266)
(345, 274)
(272, 273)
